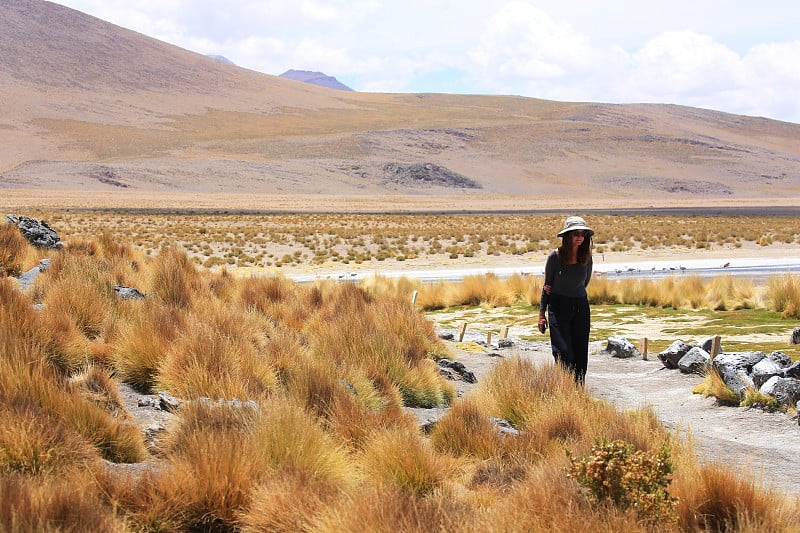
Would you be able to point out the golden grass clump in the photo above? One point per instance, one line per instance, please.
(714, 385)
(144, 340)
(174, 278)
(407, 462)
(218, 355)
(67, 504)
(466, 430)
(13, 248)
(383, 337)
(783, 295)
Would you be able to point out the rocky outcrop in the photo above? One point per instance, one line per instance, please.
(38, 233)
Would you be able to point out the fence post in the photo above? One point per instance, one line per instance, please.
(715, 347)
(488, 338)
(504, 332)
(644, 349)
(414, 298)
(461, 330)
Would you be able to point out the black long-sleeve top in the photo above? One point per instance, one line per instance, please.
(564, 280)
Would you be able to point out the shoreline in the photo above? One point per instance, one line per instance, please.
(720, 261)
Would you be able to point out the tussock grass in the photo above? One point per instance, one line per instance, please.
(13, 248)
(783, 295)
(406, 462)
(68, 504)
(714, 385)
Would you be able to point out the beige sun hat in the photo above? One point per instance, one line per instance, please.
(573, 223)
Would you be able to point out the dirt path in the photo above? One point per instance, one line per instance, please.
(766, 443)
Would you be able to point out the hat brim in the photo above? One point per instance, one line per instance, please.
(584, 228)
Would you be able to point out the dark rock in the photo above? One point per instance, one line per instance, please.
(37, 233)
(505, 343)
(764, 370)
(735, 376)
(447, 336)
(128, 293)
(780, 358)
(621, 348)
(695, 361)
(673, 354)
(426, 174)
(795, 337)
(168, 403)
(504, 427)
(740, 360)
(785, 390)
(459, 368)
(708, 345)
(792, 371)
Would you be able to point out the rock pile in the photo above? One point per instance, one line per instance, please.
(38, 233)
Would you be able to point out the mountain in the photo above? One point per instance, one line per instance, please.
(92, 107)
(315, 78)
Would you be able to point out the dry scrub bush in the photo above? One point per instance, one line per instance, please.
(13, 248)
(466, 430)
(175, 279)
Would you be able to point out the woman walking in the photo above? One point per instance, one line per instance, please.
(564, 302)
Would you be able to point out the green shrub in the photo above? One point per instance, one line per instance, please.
(630, 479)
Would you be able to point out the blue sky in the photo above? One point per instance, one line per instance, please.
(735, 56)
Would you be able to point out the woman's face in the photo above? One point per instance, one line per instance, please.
(578, 236)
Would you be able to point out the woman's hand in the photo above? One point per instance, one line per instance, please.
(542, 324)
(547, 288)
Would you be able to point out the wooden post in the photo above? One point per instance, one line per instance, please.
(461, 330)
(488, 338)
(414, 298)
(715, 347)
(504, 332)
(644, 349)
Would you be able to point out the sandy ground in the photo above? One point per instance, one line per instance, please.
(766, 444)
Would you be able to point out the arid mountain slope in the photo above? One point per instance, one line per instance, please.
(91, 106)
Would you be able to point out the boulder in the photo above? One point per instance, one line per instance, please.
(792, 371)
(505, 343)
(27, 279)
(735, 377)
(37, 233)
(795, 337)
(673, 354)
(695, 361)
(128, 293)
(785, 390)
(707, 345)
(764, 370)
(740, 360)
(622, 348)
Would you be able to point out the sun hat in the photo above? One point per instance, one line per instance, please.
(573, 223)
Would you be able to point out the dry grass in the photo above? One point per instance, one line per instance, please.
(320, 441)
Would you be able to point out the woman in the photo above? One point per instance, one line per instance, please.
(566, 274)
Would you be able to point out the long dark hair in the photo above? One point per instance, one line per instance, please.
(584, 250)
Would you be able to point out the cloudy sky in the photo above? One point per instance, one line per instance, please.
(740, 56)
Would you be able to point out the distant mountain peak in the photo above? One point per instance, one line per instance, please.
(315, 78)
(221, 58)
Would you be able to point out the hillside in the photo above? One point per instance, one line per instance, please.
(88, 106)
